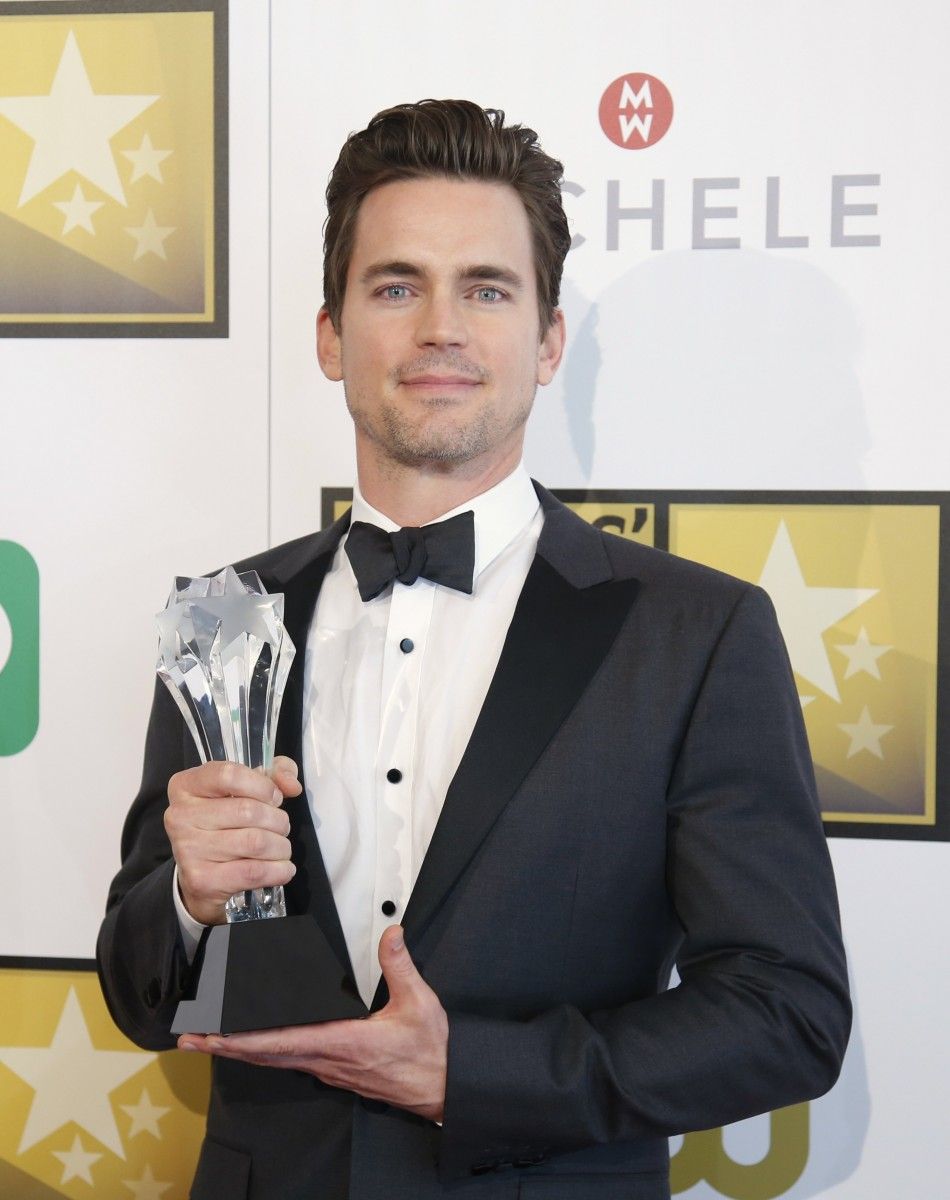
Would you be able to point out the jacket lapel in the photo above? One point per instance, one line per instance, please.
(299, 575)
(567, 618)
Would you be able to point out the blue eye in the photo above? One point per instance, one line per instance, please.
(489, 294)
(395, 291)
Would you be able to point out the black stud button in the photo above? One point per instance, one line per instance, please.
(407, 645)
(394, 775)
(388, 908)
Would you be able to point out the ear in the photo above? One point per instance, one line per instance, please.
(329, 351)
(552, 348)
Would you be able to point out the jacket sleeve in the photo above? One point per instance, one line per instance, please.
(140, 956)
(761, 1016)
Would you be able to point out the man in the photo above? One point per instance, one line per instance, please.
(525, 793)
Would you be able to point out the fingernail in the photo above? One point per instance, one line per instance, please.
(187, 1046)
(277, 796)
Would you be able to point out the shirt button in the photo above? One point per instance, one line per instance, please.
(394, 775)
(388, 908)
(407, 645)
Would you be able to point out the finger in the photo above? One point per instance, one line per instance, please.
(230, 812)
(225, 779)
(398, 968)
(329, 1040)
(213, 882)
(227, 845)
(221, 1048)
(283, 1043)
(192, 1041)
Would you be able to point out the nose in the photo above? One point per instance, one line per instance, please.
(441, 321)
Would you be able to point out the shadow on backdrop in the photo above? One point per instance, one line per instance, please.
(701, 369)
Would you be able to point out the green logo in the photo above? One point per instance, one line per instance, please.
(19, 648)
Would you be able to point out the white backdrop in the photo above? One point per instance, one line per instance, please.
(124, 462)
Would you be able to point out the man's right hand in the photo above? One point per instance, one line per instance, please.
(228, 832)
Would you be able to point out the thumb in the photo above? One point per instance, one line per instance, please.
(284, 773)
(399, 970)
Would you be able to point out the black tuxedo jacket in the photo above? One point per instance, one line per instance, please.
(637, 793)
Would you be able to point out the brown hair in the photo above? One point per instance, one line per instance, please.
(452, 138)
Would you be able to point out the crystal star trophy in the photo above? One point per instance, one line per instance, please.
(225, 656)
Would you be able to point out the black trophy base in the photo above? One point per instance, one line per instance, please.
(262, 974)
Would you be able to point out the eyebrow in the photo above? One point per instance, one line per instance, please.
(498, 274)
(380, 269)
(474, 273)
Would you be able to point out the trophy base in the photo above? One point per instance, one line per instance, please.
(262, 974)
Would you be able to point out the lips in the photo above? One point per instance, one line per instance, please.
(440, 381)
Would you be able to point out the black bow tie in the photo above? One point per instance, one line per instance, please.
(443, 552)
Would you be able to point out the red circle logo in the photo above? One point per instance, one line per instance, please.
(636, 111)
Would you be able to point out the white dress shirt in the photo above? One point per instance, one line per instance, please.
(392, 690)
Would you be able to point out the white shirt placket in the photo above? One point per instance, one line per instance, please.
(410, 615)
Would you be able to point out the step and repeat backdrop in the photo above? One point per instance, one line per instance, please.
(756, 378)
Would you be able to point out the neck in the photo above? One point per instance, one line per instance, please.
(417, 495)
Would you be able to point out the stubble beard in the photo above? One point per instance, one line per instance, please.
(436, 437)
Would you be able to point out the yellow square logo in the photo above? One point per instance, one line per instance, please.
(113, 170)
(855, 587)
(85, 1112)
(856, 580)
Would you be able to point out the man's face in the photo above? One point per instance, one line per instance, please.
(439, 347)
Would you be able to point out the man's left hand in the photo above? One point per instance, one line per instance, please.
(398, 1054)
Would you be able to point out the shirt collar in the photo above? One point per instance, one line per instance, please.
(501, 514)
